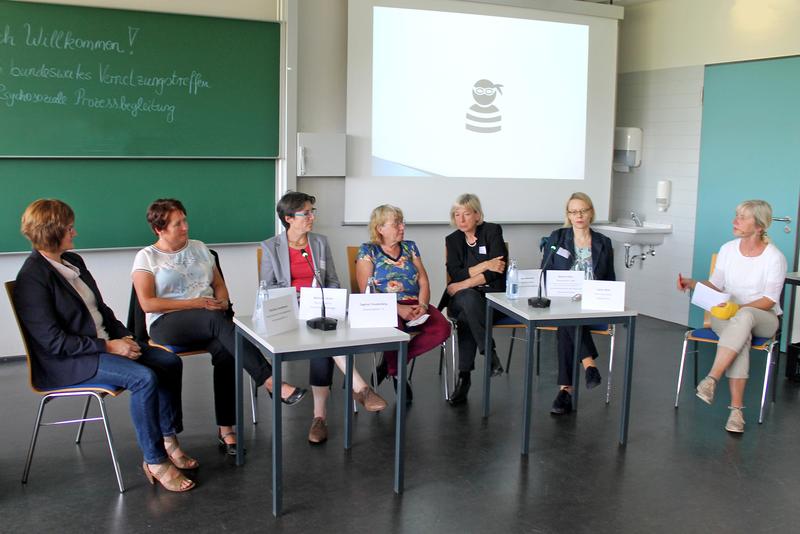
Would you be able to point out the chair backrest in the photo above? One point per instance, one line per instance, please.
(706, 314)
(352, 257)
(137, 322)
(10, 285)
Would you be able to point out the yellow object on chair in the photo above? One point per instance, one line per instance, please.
(726, 311)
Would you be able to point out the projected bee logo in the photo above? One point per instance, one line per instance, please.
(483, 116)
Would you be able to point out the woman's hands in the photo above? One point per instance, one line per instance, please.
(496, 265)
(210, 303)
(409, 312)
(685, 284)
(125, 347)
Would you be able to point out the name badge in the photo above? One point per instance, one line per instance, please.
(564, 253)
(482, 249)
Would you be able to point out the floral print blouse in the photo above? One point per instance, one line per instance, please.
(394, 275)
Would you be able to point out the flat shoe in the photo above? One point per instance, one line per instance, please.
(318, 433)
(294, 397)
(593, 378)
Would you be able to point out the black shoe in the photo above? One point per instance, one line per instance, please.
(562, 404)
(295, 397)
(382, 370)
(593, 378)
(497, 367)
(459, 396)
(228, 448)
(409, 393)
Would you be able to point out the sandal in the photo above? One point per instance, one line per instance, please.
(178, 457)
(179, 483)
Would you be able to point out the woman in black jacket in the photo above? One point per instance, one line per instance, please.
(476, 263)
(578, 248)
(74, 339)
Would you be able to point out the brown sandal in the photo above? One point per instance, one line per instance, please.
(178, 483)
(182, 460)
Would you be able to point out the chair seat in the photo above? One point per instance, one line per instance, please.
(98, 388)
(180, 350)
(507, 321)
(708, 335)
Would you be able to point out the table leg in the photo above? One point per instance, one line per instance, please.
(238, 365)
(348, 403)
(626, 397)
(400, 428)
(277, 445)
(528, 381)
(576, 367)
(487, 352)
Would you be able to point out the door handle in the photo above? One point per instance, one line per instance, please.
(782, 219)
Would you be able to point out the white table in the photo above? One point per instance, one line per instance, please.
(562, 312)
(305, 344)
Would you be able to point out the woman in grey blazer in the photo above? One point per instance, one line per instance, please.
(290, 259)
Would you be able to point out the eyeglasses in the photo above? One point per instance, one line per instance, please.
(579, 212)
(395, 224)
(308, 213)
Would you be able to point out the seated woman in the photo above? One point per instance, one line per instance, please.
(752, 271)
(283, 265)
(476, 263)
(578, 248)
(75, 338)
(186, 301)
(396, 267)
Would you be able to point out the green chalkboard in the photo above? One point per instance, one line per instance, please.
(78, 81)
(227, 200)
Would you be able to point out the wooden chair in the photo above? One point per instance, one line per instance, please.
(90, 391)
(137, 325)
(707, 335)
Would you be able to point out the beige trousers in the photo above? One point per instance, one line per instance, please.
(737, 333)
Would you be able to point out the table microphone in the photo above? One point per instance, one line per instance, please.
(319, 323)
(540, 301)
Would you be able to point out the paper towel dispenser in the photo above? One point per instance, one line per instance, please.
(627, 148)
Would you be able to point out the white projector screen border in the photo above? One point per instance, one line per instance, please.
(427, 199)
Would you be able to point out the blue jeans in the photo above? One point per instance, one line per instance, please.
(153, 409)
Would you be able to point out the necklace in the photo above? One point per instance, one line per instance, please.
(474, 242)
(300, 243)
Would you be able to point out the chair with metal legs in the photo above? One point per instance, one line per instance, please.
(90, 391)
(707, 335)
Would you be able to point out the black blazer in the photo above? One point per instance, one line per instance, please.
(602, 253)
(57, 325)
(488, 235)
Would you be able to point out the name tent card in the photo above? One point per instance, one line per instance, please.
(564, 283)
(373, 310)
(280, 315)
(311, 303)
(529, 282)
(603, 295)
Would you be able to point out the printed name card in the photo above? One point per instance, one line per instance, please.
(529, 282)
(373, 310)
(311, 303)
(278, 315)
(564, 283)
(603, 295)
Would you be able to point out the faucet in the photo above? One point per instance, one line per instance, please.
(636, 219)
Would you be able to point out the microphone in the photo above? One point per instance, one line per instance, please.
(540, 301)
(319, 323)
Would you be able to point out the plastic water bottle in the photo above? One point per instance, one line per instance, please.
(258, 312)
(372, 286)
(512, 280)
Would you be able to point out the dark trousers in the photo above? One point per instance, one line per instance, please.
(468, 308)
(566, 351)
(214, 332)
(320, 372)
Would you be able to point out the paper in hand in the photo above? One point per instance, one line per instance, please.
(706, 298)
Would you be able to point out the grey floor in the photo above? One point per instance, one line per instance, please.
(680, 472)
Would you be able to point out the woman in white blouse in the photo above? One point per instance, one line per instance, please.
(752, 271)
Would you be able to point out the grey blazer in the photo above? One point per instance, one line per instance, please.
(275, 267)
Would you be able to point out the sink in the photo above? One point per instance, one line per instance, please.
(625, 231)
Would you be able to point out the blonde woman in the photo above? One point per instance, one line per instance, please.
(752, 271)
(579, 248)
(396, 266)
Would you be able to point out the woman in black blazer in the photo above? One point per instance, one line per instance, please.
(476, 264)
(577, 247)
(74, 339)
